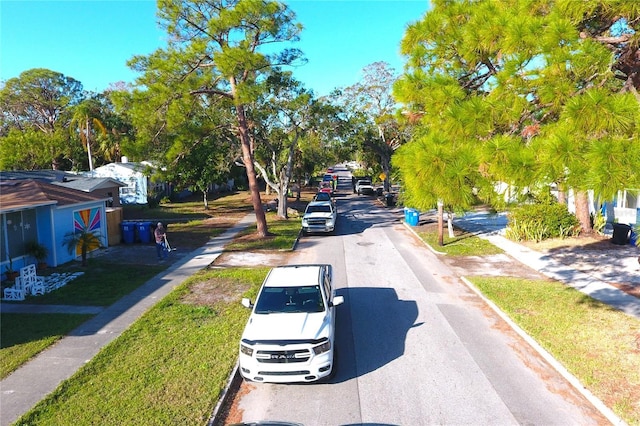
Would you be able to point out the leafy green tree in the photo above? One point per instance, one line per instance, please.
(187, 136)
(153, 111)
(373, 102)
(37, 102)
(284, 116)
(593, 113)
(596, 140)
(37, 99)
(311, 157)
(203, 148)
(224, 49)
(121, 133)
(205, 161)
(444, 174)
(510, 82)
(614, 25)
(279, 119)
(31, 149)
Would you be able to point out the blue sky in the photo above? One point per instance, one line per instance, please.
(91, 40)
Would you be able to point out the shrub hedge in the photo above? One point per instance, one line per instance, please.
(538, 222)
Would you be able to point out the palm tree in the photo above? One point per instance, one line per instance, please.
(85, 117)
(83, 239)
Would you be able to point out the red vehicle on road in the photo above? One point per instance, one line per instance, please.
(326, 186)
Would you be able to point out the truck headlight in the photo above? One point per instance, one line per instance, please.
(246, 350)
(322, 348)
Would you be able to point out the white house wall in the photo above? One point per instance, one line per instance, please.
(136, 190)
(611, 211)
(627, 207)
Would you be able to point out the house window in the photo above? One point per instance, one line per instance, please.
(126, 190)
(18, 228)
(628, 199)
(130, 189)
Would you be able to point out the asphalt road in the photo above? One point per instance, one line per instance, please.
(415, 346)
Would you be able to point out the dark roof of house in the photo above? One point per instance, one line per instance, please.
(46, 175)
(80, 182)
(21, 194)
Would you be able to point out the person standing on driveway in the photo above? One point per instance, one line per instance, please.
(160, 234)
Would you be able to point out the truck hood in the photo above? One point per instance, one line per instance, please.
(318, 215)
(287, 326)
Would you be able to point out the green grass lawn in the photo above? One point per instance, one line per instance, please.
(598, 344)
(460, 245)
(25, 335)
(168, 368)
(282, 235)
(101, 284)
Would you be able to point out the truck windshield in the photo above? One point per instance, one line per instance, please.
(319, 209)
(289, 299)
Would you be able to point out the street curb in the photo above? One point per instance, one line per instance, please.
(406, 225)
(597, 403)
(295, 243)
(233, 384)
(234, 380)
(573, 380)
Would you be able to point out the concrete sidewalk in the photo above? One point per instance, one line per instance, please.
(591, 280)
(25, 387)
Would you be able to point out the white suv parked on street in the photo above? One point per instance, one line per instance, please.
(290, 335)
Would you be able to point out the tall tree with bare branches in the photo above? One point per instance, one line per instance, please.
(223, 48)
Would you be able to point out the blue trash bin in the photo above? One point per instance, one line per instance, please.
(412, 216)
(407, 214)
(144, 232)
(128, 232)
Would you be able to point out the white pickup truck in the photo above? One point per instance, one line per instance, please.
(290, 335)
(364, 186)
(319, 216)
